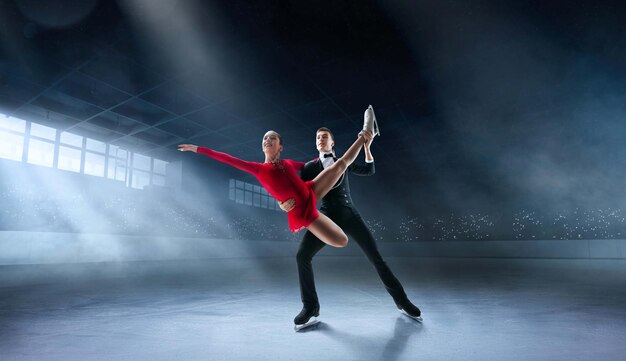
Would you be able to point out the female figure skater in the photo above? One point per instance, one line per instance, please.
(279, 178)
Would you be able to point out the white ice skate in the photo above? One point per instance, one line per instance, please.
(418, 318)
(311, 322)
(369, 121)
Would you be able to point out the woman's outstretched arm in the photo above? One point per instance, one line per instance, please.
(250, 167)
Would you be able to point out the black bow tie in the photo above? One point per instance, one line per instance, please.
(326, 155)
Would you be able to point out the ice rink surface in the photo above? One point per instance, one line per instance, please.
(242, 309)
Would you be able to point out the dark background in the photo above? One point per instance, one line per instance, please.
(499, 120)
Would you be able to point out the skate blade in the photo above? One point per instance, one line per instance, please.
(418, 318)
(376, 131)
(313, 321)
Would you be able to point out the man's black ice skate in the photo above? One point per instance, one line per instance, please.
(409, 309)
(306, 318)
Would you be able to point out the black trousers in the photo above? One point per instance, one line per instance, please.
(349, 219)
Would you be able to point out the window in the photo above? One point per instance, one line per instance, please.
(231, 189)
(94, 164)
(41, 145)
(115, 151)
(250, 194)
(142, 166)
(11, 145)
(41, 153)
(76, 153)
(118, 164)
(256, 196)
(69, 159)
(11, 137)
(141, 162)
(158, 172)
(159, 166)
(95, 154)
(96, 146)
(13, 124)
(140, 179)
(239, 194)
(70, 152)
(41, 131)
(71, 139)
(117, 170)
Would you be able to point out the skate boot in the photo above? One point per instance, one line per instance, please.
(369, 121)
(407, 308)
(306, 317)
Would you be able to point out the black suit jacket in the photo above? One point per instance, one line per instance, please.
(340, 194)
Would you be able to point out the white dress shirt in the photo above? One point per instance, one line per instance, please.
(327, 162)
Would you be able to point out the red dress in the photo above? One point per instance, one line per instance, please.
(282, 182)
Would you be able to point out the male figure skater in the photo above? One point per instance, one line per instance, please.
(337, 205)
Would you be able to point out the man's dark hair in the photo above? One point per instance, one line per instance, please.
(324, 129)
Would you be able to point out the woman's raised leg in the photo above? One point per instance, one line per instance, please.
(324, 181)
(328, 231)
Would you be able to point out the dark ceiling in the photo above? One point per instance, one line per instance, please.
(284, 65)
(453, 83)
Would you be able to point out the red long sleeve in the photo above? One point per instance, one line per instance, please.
(250, 167)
